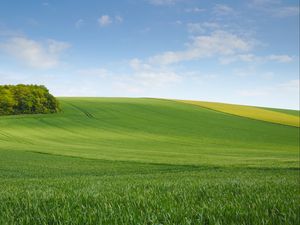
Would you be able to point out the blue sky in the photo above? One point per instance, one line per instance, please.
(244, 52)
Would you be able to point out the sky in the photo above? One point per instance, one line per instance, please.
(243, 52)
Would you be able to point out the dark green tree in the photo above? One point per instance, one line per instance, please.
(26, 99)
(7, 101)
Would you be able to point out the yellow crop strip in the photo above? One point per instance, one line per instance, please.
(249, 112)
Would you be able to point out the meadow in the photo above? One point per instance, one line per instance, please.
(147, 161)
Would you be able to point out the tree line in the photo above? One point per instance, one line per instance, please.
(26, 99)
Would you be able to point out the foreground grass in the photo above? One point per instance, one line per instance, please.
(49, 189)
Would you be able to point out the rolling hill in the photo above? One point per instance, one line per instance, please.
(148, 161)
(283, 117)
(152, 130)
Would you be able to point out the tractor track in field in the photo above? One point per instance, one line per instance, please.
(14, 138)
(42, 120)
(89, 115)
(5, 135)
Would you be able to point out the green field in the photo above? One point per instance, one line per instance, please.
(284, 117)
(147, 161)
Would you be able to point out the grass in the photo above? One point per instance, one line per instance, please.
(286, 111)
(151, 130)
(146, 161)
(49, 189)
(280, 116)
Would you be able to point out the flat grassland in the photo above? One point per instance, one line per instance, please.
(147, 161)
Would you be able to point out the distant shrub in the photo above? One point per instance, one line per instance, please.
(26, 99)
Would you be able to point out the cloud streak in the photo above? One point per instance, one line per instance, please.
(218, 43)
(163, 2)
(104, 20)
(35, 54)
(147, 76)
(223, 10)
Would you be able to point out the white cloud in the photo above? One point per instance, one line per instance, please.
(163, 2)
(149, 76)
(137, 64)
(195, 10)
(35, 54)
(151, 79)
(219, 43)
(142, 81)
(280, 58)
(104, 20)
(145, 77)
(241, 57)
(223, 10)
(211, 40)
(79, 23)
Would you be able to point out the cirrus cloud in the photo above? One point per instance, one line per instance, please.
(219, 43)
(104, 20)
(163, 2)
(33, 53)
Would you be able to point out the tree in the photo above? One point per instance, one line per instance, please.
(26, 99)
(7, 101)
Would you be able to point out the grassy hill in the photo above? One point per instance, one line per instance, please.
(147, 161)
(151, 130)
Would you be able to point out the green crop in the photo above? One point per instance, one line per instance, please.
(284, 117)
(146, 161)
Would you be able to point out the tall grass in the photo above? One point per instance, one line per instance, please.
(79, 191)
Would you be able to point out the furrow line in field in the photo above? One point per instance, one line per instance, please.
(82, 110)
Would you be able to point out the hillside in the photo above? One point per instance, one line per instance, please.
(280, 116)
(146, 161)
(152, 130)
